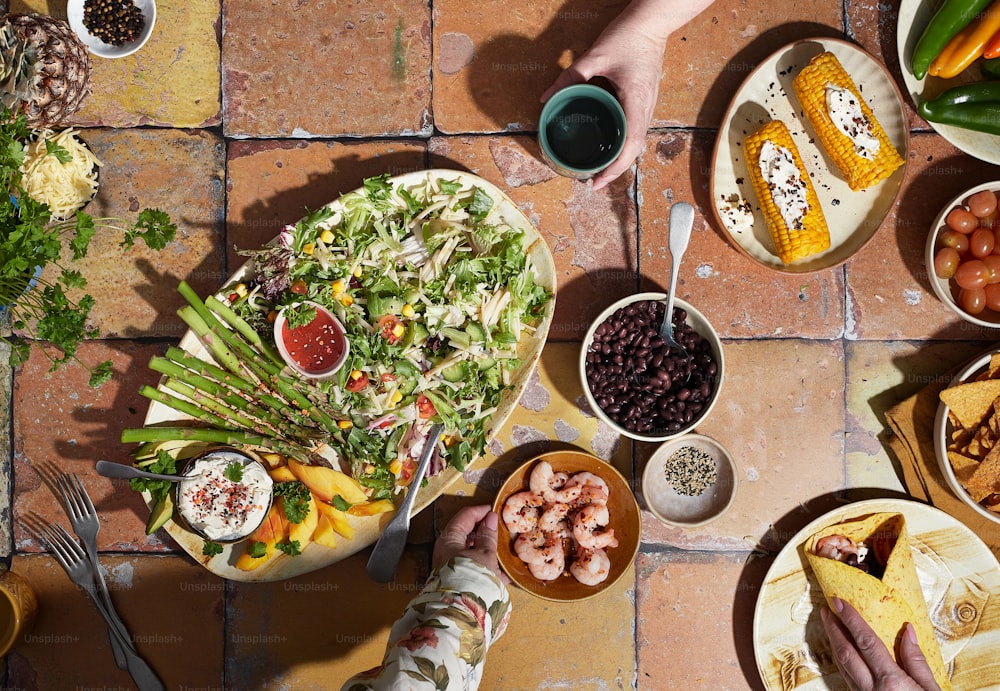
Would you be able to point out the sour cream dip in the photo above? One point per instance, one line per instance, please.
(846, 114)
(221, 505)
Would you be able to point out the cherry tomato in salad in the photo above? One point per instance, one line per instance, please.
(425, 407)
(358, 382)
(971, 274)
(962, 220)
(981, 242)
(972, 300)
(299, 287)
(983, 203)
(946, 262)
(954, 239)
(392, 328)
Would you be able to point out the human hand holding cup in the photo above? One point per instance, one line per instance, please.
(581, 130)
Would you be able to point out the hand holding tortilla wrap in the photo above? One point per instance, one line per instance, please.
(888, 595)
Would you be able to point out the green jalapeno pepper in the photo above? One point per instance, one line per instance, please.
(969, 106)
(950, 18)
(991, 68)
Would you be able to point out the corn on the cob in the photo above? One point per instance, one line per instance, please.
(864, 160)
(803, 233)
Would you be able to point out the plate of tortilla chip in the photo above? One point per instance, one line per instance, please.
(911, 562)
(967, 435)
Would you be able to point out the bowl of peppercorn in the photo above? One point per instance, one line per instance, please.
(640, 386)
(112, 28)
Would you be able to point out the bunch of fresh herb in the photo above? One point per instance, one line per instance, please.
(31, 241)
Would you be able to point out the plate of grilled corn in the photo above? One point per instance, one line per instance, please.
(810, 156)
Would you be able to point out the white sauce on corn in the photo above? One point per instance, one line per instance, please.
(846, 113)
(785, 181)
(219, 508)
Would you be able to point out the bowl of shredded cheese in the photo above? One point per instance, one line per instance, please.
(60, 170)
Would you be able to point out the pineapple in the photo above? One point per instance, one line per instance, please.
(44, 68)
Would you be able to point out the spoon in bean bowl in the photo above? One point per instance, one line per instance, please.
(681, 223)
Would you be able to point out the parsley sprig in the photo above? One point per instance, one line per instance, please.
(34, 305)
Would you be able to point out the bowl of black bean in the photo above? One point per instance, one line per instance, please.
(639, 385)
(112, 28)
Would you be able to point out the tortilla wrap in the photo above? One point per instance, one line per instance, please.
(886, 603)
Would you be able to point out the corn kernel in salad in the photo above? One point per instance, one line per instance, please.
(326, 237)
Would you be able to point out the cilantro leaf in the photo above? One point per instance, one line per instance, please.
(256, 550)
(295, 499)
(84, 231)
(299, 315)
(153, 227)
(61, 154)
(340, 503)
(292, 548)
(165, 464)
(101, 374)
(234, 472)
(210, 549)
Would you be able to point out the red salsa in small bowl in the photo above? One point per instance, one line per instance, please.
(316, 349)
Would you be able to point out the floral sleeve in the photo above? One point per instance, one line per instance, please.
(441, 640)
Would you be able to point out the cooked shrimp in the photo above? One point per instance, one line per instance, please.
(587, 525)
(548, 570)
(551, 486)
(591, 566)
(838, 547)
(520, 512)
(593, 488)
(552, 518)
(535, 547)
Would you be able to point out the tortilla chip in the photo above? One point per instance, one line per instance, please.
(986, 478)
(886, 603)
(963, 466)
(971, 402)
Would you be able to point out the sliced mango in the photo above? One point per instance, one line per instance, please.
(337, 518)
(272, 530)
(282, 474)
(325, 534)
(372, 508)
(303, 531)
(327, 483)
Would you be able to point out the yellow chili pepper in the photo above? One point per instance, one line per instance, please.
(967, 45)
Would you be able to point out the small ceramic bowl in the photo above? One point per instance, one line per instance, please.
(946, 289)
(688, 510)
(625, 520)
(699, 323)
(74, 14)
(315, 352)
(190, 503)
(942, 436)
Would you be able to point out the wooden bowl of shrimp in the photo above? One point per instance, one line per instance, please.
(569, 526)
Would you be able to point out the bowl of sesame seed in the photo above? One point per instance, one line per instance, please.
(112, 28)
(689, 481)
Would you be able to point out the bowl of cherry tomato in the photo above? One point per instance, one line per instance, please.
(963, 255)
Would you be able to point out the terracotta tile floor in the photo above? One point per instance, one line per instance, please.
(238, 115)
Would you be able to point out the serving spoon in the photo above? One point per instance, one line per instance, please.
(681, 222)
(385, 557)
(120, 470)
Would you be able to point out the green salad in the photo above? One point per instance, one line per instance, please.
(434, 292)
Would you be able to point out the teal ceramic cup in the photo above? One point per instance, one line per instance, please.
(581, 130)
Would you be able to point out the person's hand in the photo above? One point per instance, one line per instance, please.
(631, 61)
(472, 533)
(864, 661)
(629, 54)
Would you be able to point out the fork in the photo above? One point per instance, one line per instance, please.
(74, 561)
(83, 518)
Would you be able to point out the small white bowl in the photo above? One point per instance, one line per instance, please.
(697, 321)
(74, 14)
(942, 434)
(674, 508)
(943, 287)
(319, 375)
